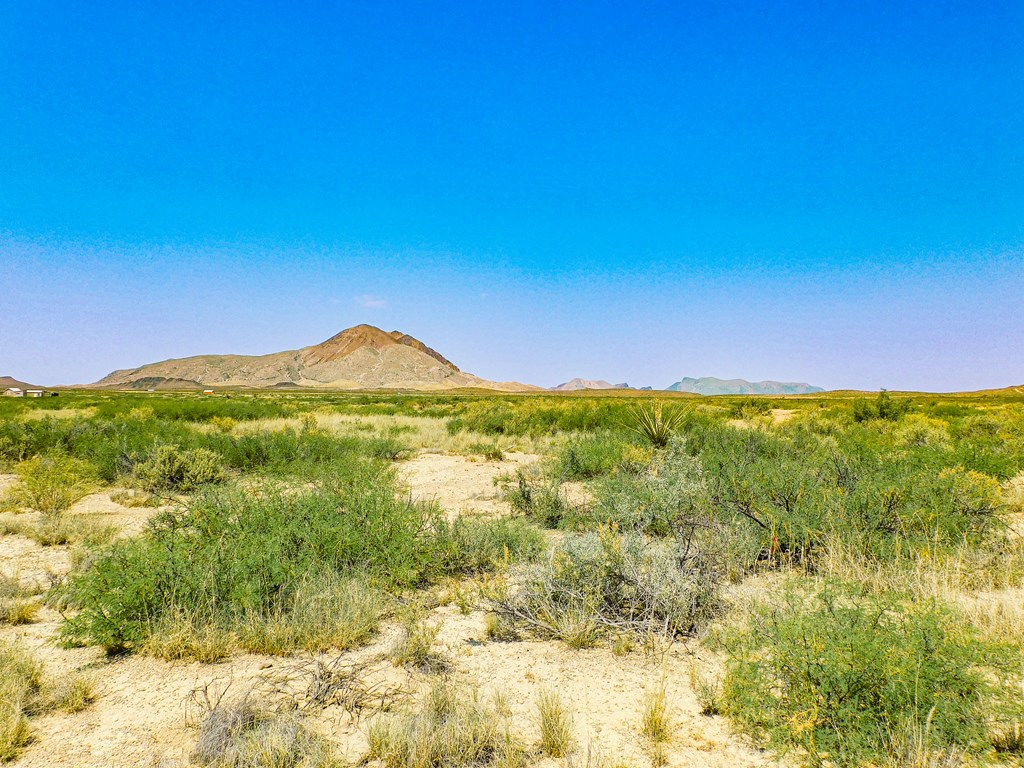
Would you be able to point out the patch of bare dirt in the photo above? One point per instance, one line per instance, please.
(461, 483)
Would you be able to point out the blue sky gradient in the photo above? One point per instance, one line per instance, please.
(812, 191)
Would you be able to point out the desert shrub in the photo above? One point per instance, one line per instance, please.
(490, 451)
(884, 407)
(669, 496)
(539, 497)
(415, 646)
(840, 675)
(750, 406)
(472, 544)
(785, 494)
(655, 723)
(26, 691)
(918, 430)
(590, 455)
(225, 424)
(453, 728)
(596, 584)
(244, 735)
(51, 484)
(169, 468)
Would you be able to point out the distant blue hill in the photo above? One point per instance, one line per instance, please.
(709, 385)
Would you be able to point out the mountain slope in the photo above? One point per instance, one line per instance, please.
(709, 385)
(578, 384)
(362, 357)
(10, 381)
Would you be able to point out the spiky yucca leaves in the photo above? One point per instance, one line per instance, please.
(655, 423)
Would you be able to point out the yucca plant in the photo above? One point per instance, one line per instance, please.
(655, 424)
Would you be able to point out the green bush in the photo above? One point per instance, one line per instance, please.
(254, 563)
(670, 495)
(883, 407)
(590, 455)
(842, 676)
(52, 484)
(538, 497)
(169, 468)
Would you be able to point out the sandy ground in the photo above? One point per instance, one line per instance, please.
(461, 483)
(143, 713)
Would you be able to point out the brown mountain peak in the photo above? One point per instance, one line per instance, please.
(348, 341)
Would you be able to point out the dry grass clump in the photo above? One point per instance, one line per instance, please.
(25, 691)
(452, 728)
(330, 612)
(327, 612)
(414, 647)
(597, 585)
(243, 735)
(555, 725)
(655, 724)
(17, 605)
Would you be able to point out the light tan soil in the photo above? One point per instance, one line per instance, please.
(461, 483)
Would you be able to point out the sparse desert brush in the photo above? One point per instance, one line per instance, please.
(555, 724)
(599, 584)
(281, 569)
(225, 424)
(168, 468)
(538, 497)
(671, 496)
(1013, 494)
(26, 691)
(788, 675)
(453, 727)
(591, 455)
(52, 484)
(473, 544)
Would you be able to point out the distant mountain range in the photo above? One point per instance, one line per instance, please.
(366, 357)
(577, 384)
(709, 385)
(362, 357)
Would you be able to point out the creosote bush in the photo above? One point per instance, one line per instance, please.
(169, 468)
(842, 676)
(51, 484)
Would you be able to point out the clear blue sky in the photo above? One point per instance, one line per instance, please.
(830, 192)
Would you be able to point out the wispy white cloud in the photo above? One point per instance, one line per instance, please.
(371, 302)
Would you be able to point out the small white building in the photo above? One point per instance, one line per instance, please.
(35, 392)
(14, 392)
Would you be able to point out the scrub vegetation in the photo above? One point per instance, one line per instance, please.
(854, 563)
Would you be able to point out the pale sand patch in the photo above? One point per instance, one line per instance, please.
(461, 483)
(780, 415)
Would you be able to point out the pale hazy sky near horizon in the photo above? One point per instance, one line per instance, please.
(541, 190)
